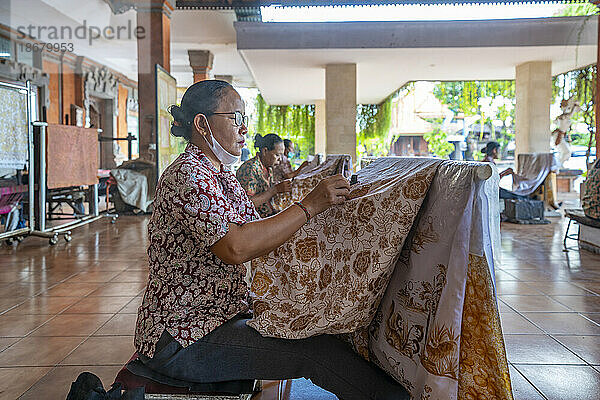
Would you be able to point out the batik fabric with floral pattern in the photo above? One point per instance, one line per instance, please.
(305, 182)
(330, 276)
(590, 201)
(402, 271)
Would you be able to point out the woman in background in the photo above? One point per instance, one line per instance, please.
(491, 153)
(284, 170)
(256, 174)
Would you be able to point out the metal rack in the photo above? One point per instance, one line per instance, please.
(20, 233)
(129, 138)
(64, 229)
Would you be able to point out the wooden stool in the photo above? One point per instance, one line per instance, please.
(229, 390)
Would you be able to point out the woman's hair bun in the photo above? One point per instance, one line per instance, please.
(179, 127)
(258, 141)
(268, 141)
(177, 113)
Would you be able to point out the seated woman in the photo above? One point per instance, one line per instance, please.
(590, 201)
(191, 325)
(283, 170)
(491, 153)
(256, 175)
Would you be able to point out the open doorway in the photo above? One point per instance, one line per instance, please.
(101, 117)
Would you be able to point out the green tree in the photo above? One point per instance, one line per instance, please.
(576, 10)
(580, 83)
(493, 101)
(463, 96)
(437, 142)
(373, 122)
(294, 122)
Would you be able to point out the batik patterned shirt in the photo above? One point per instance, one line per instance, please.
(190, 290)
(256, 179)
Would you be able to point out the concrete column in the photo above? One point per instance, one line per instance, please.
(153, 47)
(226, 78)
(532, 112)
(320, 127)
(340, 104)
(201, 62)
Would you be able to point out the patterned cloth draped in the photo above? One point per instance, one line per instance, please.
(330, 276)
(532, 172)
(404, 272)
(13, 131)
(590, 201)
(72, 156)
(305, 182)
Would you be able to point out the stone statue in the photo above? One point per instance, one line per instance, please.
(563, 122)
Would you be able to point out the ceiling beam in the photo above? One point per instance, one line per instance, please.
(558, 31)
(232, 4)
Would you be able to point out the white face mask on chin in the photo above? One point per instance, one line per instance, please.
(226, 158)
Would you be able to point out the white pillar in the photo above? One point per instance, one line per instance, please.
(340, 104)
(533, 86)
(320, 127)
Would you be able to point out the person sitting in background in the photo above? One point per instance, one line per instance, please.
(256, 175)
(283, 170)
(590, 202)
(491, 153)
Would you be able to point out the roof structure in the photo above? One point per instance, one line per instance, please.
(120, 6)
(200, 4)
(288, 60)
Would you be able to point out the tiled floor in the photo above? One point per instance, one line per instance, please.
(71, 308)
(550, 308)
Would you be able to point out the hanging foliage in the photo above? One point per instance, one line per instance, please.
(373, 123)
(437, 142)
(297, 123)
(294, 122)
(463, 96)
(491, 102)
(581, 9)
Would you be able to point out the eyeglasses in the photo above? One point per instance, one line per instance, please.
(239, 117)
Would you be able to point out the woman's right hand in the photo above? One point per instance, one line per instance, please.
(330, 191)
(284, 186)
(303, 165)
